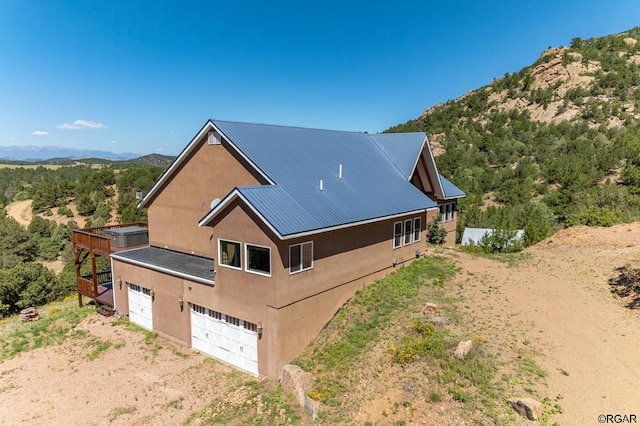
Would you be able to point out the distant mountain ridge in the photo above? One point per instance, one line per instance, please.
(37, 153)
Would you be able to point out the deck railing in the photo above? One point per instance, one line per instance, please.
(94, 242)
(95, 239)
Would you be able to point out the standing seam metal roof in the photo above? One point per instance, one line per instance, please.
(374, 183)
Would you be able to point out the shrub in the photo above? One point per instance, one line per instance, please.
(596, 216)
(436, 234)
(501, 241)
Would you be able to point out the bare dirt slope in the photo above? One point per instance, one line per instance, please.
(20, 211)
(558, 303)
(132, 382)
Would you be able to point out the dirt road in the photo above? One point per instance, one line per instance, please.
(20, 211)
(559, 301)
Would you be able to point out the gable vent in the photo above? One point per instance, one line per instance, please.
(214, 138)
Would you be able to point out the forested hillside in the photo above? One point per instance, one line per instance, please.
(555, 144)
(101, 195)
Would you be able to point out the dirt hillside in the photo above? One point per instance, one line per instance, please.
(558, 303)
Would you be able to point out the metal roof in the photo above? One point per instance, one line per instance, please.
(450, 190)
(374, 182)
(403, 149)
(191, 267)
(473, 236)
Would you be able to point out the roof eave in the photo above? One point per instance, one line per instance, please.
(206, 220)
(186, 152)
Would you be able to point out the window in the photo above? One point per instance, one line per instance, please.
(408, 230)
(397, 234)
(300, 257)
(229, 254)
(447, 211)
(258, 260)
(417, 228)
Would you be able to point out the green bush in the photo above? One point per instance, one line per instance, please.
(596, 216)
(501, 241)
(436, 234)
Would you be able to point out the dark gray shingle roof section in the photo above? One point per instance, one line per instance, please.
(183, 265)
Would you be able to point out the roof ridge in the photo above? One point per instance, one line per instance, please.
(284, 126)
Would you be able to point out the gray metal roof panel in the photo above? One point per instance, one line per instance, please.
(450, 190)
(473, 236)
(403, 149)
(297, 159)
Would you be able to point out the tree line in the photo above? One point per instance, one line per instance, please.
(24, 280)
(524, 174)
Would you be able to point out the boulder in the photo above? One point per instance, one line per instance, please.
(29, 314)
(527, 407)
(463, 349)
(430, 308)
(298, 382)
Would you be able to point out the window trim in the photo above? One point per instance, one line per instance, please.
(302, 268)
(448, 211)
(417, 226)
(400, 235)
(237, 268)
(408, 232)
(246, 260)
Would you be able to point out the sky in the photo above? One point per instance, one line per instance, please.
(144, 76)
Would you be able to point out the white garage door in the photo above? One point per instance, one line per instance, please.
(227, 338)
(140, 306)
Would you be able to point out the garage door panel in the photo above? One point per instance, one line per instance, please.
(228, 342)
(140, 306)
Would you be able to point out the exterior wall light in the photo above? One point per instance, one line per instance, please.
(260, 328)
(181, 303)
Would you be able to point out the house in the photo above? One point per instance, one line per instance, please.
(259, 233)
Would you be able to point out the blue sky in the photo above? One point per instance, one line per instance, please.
(144, 76)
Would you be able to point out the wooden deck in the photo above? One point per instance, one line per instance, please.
(105, 295)
(88, 244)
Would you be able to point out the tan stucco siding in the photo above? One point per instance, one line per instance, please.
(167, 316)
(344, 261)
(450, 227)
(212, 172)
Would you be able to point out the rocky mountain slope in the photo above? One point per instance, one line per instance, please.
(558, 139)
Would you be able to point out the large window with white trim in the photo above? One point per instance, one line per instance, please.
(408, 231)
(397, 234)
(258, 259)
(448, 211)
(229, 254)
(417, 229)
(300, 257)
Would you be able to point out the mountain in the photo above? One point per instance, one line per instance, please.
(554, 144)
(36, 153)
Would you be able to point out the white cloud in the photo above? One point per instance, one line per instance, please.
(114, 142)
(39, 133)
(159, 149)
(7, 138)
(82, 124)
